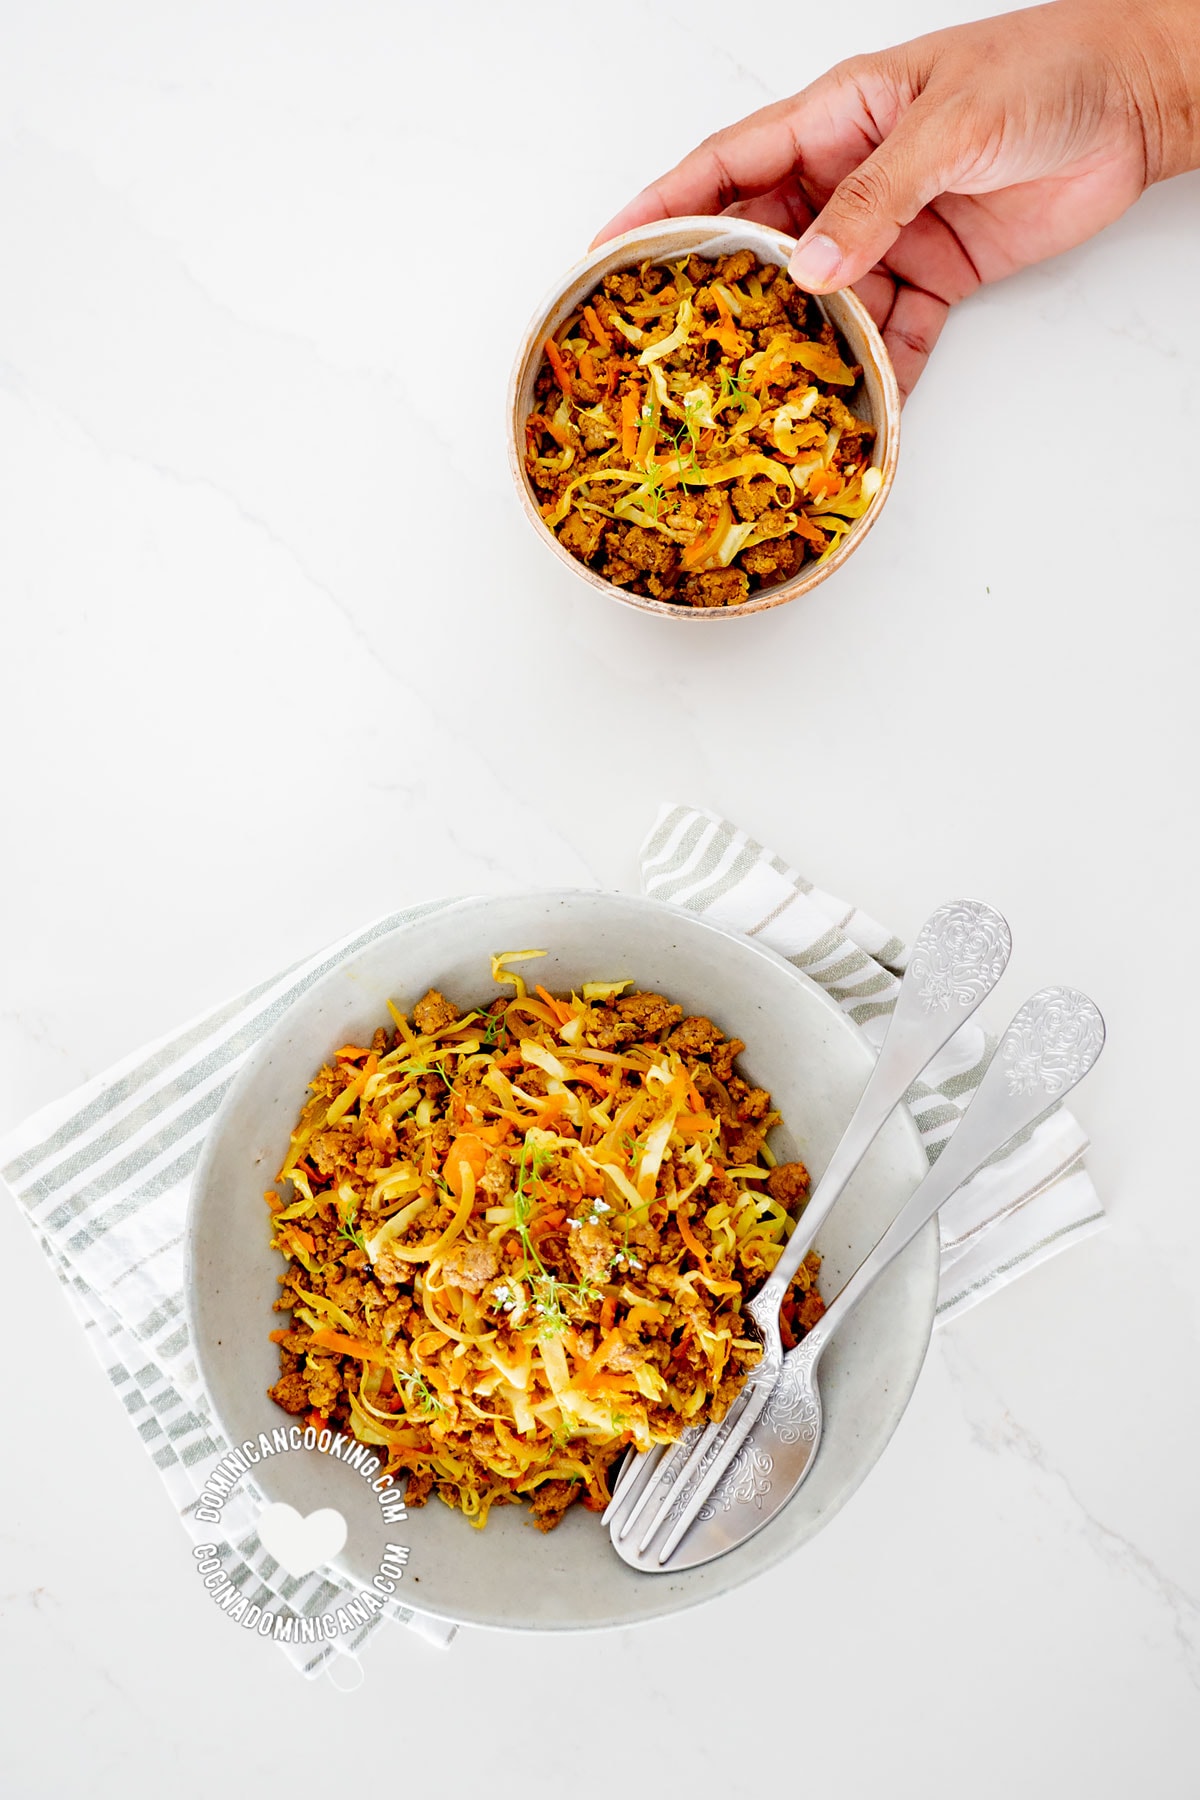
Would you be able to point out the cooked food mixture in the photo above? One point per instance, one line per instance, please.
(520, 1239)
(690, 437)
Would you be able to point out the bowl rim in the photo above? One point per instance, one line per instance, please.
(732, 1575)
(809, 575)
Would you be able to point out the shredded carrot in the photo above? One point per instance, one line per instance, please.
(689, 1237)
(592, 1179)
(570, 1178)
(562, 374)
(597, 330)
(631, 403)
(588, 369)
(466, 1149)
(548, 1221)
(593, 1080)
(560, 1008)
(341, 1345)
(612, 1340)
(824, 482)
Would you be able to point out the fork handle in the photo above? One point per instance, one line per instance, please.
(1050, 1045)
(959, 955)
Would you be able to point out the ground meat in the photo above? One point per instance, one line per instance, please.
(618, 571)
(651, 1013)
(418, 1487)
(583, 534)
(809, 1310)
(789, 1184)
(497, 1177)
(546, 479)
(551, 1500)
(470, 1266)
(649, 550)
(329, 1150)
(591, 1250)
(753, 1103)
(768, 311)
(719, 587)
(735, 266)
(835, 412)
(434, 1012)
(324, 1382)
(746, 1144)
(750, 498)
(348, 1293)
(290, 1392)
(396, 1316)
(775, 523)
(597, 434)
(624, 286)
(773, 561)
(795, 303)
(721, 1060)
(695, 1037)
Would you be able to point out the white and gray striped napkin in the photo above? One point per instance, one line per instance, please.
(103, 1175)
(103, 1178)
(1024, 1206)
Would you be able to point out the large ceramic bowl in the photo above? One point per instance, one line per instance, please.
(877, 397)
(799, 1045)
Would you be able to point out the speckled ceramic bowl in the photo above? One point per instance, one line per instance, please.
(877, 396)
(800, 1045)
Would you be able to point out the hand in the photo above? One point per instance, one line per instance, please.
(920, 172)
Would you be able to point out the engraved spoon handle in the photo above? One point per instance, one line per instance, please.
(959, 955)
(1050, 1045)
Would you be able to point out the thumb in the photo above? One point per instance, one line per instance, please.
(867, 210)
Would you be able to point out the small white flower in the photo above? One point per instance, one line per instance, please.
(601, 1206)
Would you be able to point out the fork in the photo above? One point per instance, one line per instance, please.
(1049, 1046)
(959, 955)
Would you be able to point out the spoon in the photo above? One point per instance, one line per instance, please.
(1050, 1045)
(959, 955)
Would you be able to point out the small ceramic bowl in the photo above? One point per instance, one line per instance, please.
(877, 395)
(800, 1045)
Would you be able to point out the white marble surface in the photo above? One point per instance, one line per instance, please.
(280, 654)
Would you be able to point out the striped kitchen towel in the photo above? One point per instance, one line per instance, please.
(103, 1176)
(1029, 1203)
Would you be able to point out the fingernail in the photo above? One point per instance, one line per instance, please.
(815, 262)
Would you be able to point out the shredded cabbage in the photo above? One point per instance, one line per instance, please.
(525, 1237)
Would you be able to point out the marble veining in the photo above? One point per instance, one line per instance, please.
(281, 655)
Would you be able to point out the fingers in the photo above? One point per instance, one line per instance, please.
(751, 158)
(871, 205)
(786, 208)
(877, 291)
(910, 331)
